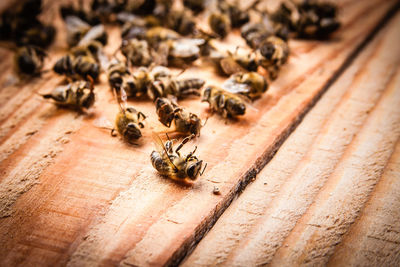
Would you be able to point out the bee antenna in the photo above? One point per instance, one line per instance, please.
(205, 122)
(167, 136)
(205, 166)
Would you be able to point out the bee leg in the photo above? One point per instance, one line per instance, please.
(141, 125)
(184, 141)
(141, 114)
(205, 166)
(113, 133)
(191, 153)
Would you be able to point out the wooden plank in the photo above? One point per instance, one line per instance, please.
(306, 198)
(70, 194)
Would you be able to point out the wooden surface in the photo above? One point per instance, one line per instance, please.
(72, 195)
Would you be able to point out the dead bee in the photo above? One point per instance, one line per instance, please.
(237, 63)
(250, 84)
(171, 86)
(72, 11)
(77, 95)
(185, 122)
(174, 165)
(223, 102)
(272, 54)
(81, 62)
(39, 35)
(80, 32)
(181, 21)
(128, 124)
(137, 52)
(220, 23)
(119, 76)
(256, 33)
(308, 19)
(29, 60)
(156, 35)
(179, 53)
(237, 16)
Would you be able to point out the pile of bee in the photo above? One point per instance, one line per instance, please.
(157, 34)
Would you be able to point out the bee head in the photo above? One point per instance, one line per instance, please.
(193, 169)
(235, 108)
(132, 131)
(206, 94)
(26, 64)
(267, 50)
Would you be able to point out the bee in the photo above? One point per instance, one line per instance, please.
(39, 35)
(237, 63)
(137, 52)
(272, 54)
(128, 123)
(237, 16)
(308, 19)
(250, 84)
(171, 86)
(78, 95)
(223, 102)
(185, 122)
(29, 60)
(182, 21)
(79, 32)
(170, 163)
(183, 52)
(119, 76)
(157, 35)
(220, 23)
(71, 11)
(81, 62)
(256, 33)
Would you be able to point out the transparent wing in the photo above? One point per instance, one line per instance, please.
(94, 33)
(103, 122)
(234, 87)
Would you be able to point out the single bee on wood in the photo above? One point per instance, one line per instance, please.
(272, 54)
(128, 124)
(129, 121)
(137, 52)
(29, 60)
(78, 95)
(185, 122)
(169, 163)
(81, 62)
(250, 84)
(223, 102)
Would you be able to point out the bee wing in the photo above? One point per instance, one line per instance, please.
(185, 48)
(74, 24)
(237, 88)
(103, 122)
(230, 66)
(158, 143)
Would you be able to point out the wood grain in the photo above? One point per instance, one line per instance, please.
(72, 195)
(307, 197)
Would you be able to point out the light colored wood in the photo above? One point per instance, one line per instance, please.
(307, 197)
(72, 195)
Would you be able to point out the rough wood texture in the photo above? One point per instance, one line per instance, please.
(306, 199)
(72, 195)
